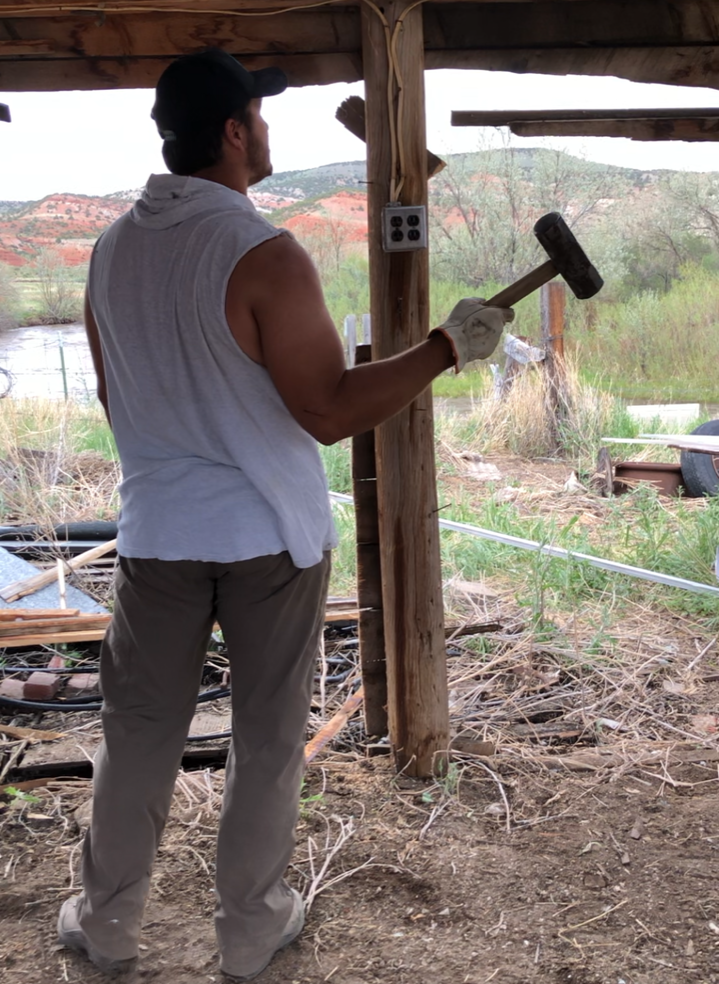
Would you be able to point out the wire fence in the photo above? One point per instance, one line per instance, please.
(47, 362)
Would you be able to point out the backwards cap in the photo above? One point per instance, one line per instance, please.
(206, 88)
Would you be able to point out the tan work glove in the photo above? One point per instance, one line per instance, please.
(473, 329)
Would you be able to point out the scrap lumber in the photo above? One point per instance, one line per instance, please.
(23, 614)
(50, 626)
(29, 734)
(330, 730)
(28, 585)
(351, 114)
(56, 638)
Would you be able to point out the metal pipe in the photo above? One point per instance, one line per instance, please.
(551, 551)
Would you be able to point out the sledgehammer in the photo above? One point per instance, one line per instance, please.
(566, 257)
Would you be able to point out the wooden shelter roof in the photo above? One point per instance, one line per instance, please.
(50, 45)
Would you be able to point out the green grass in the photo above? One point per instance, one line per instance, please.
(673, 536)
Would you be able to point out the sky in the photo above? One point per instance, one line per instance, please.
(96, 143)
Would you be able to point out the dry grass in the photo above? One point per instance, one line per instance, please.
(523, 422)
(51, 470)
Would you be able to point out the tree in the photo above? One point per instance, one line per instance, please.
(60, 294)
(484, 205)
(9, 298)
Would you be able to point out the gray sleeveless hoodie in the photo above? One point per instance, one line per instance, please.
(214, 466)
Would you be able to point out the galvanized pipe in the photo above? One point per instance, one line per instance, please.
(551, 551)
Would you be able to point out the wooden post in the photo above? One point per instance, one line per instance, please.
(369, 576)
(406, 485)
(553, 299)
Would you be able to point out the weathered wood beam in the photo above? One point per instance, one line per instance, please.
(50, 75)
(406, 484)
(696, 66)
(373, 660)
(578, 26)
(636, 124)
(351, 114)
(136, 35)
(646, 41)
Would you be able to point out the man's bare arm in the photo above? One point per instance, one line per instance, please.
(299, 345)
(93, 338)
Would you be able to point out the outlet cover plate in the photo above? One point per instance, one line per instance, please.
(404, 227)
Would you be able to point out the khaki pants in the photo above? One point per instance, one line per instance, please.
(271, 614)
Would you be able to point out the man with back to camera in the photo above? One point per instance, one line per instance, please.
(220, 368)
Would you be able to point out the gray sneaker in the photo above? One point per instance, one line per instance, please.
(293, 929)
(69, 934)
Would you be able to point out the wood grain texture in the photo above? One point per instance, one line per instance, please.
(351, 114)
(54, 74)
(409, 532)
(373, 662)
(635, 124)
(674, 65)
(98, 46)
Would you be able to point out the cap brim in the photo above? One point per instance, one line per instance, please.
(268, 82)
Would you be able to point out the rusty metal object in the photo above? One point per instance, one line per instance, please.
(667, 477)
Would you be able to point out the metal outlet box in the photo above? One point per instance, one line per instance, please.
(404, 227)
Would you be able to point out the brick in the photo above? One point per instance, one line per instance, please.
(13, 688)
(81, 683)
(41, 686)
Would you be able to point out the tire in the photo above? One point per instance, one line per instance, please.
(701, 471)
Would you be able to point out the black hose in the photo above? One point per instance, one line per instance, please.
(77, 705)
(215, 735)
(50, 669)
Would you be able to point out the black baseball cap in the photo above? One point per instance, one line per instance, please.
(206, 88)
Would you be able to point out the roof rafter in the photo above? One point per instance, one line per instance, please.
(118, 43)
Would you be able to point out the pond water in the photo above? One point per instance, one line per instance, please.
(50, 361)
(47, 362)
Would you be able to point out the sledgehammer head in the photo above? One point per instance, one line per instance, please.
(567, 255)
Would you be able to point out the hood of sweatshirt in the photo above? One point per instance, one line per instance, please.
(169, 199)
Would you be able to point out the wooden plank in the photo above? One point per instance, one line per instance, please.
(53, 638)
(31, 627)
(505, 117)
(351, 114)
(30, 734)
(583, 27)
(673, 65)
(668, 124)
(330, 730)
(20, 614)
(409, 533)
(50, 75)
(29, 585)
(373, 660)
(139, 35)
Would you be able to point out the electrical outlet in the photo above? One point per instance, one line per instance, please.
(404, 227)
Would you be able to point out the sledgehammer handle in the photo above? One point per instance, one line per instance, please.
(524, 286)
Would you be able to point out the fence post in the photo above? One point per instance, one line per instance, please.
(350, 328)
(553, 300)
(366, 328)
(369, 576)
(63, 369)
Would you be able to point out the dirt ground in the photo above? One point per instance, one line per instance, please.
(599, 880)
(583, 851)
